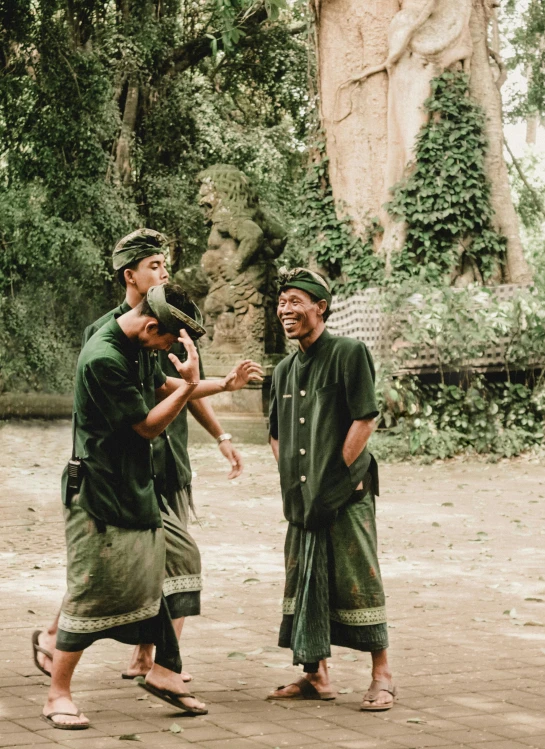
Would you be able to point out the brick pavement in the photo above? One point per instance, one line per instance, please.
(462, 556)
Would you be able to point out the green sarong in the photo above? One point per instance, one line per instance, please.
(114, 588)
(183, 581)
(333, 593)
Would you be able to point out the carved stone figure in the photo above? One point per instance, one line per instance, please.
(244, 241)
(425, 38)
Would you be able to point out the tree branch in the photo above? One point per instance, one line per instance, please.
(533, 192)
(190, 54)
(501, 67)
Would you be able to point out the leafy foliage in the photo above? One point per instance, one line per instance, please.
(446, 199)
(502, 414)
(108, 111)
(526, 39)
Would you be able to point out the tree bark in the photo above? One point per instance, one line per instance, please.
(353, 35)
(123, 167)
(484, 90)
(376, 61)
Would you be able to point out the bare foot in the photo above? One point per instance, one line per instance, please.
(161, 678)
(64, 705)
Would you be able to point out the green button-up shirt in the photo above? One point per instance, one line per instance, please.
(114, 389)
(315, 397)
(170, 454)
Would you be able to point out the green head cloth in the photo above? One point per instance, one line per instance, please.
(305, 279)
(173, 318)
(136, 246)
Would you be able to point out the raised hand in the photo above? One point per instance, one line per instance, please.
(244, 372)
(189, 370)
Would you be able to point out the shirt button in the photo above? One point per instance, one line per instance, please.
(302, 420)
(303, 479)
(303, 451)
(303, 393)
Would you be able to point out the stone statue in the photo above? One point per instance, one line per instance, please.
(425, 38)
(244, 241)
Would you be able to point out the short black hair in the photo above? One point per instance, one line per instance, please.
(174, 295)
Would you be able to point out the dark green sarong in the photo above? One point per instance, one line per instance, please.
(114, 588)
(333, 593)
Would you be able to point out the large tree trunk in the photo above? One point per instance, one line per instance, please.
(486, 92)
(353, 34)
(376, 59)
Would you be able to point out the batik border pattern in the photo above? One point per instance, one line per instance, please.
(77, 624)
(185, 584)
(350, 617)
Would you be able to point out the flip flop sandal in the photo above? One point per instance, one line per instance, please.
(173, 698)
(65, 726)
(307, 691)
(36, 648)
(125, 675)
(373, 692)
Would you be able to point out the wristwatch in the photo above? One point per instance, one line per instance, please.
(223, 437)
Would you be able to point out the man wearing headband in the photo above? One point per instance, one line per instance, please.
(143, 253)
(139, 262)
(322, 413)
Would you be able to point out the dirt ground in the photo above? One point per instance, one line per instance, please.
(463, 560)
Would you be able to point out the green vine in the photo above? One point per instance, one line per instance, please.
(446, 198)
(329, 240)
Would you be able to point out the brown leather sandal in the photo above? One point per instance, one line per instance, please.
(373, 692)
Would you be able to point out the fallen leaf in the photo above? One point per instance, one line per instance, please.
(415, 720)
(533, 624)
(251, 580)
(447, 504)
(240, 611)
(349, 657)
(234, 656)
(175, 728)
(348, 690)
(277, 665)
(130, 737)
(537, 600)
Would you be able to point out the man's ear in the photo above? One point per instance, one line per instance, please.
(322, 306)
(128, 275)
(152, 327)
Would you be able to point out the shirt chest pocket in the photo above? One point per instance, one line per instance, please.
(328, 392)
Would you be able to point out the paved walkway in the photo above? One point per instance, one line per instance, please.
(463, 557)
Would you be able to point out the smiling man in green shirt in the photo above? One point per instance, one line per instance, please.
(322, 413)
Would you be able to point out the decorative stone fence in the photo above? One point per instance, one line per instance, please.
(363, 316)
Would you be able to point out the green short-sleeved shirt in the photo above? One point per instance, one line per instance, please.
(170, 456)
(114, 389)
(315, 397)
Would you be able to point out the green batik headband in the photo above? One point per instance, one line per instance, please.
(136, 246)
(173, 318)
(306, 280)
